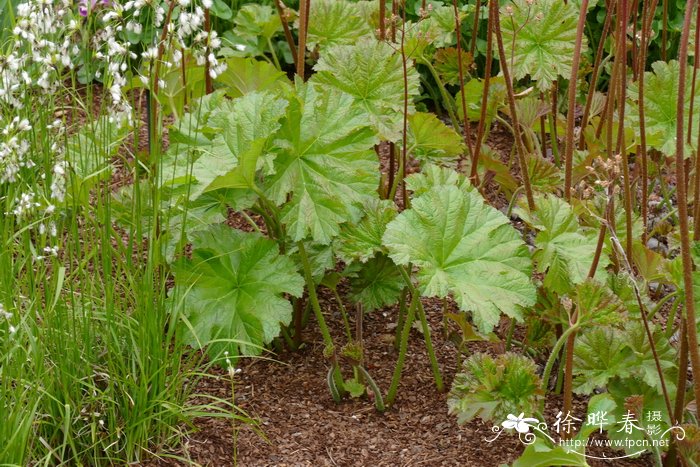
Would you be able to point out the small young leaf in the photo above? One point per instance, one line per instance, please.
(600, 355)
(360, 241)
(376, 283)
(491, 388)
(430, 140)
(565, 250)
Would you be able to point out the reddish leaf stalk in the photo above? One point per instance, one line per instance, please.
(621, 55)
(682, 199)
(596, 69)
(282, 12)
(520, 149)
(382, 20)
(304, 9)
(573, 80)
(208, 86)
(646, 32)
(467, 129)
(696, 185)
(475, 28)
(481, 128)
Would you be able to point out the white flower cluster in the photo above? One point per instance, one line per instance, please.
(42, 44)
(189, 36)
(14, 149)
(7, 316)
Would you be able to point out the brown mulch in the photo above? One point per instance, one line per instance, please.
(302, 426)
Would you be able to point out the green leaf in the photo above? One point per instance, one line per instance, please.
(539, 39)
(600, 355)
(354, 387)
(256, 21)
(247, 128)
(430, 140)
(335, 22)
(432, 176)
(360, 241)
(564, 249)
(660, 96)
(376, 283)
(447, 65)
(429, 34)
(540, 454)
(221, 10)
(491, 388)
(596, 304)
(473, 91)
(544, 175)
(233, 288)
(245, 75)
(372, 73)
(88, 153)
(643, 361)
(466, 248)
(324, 164)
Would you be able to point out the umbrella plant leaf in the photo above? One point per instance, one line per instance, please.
(372, 73)
(360, 241)
(431, 140)
(324, 164)
(335, 22)
(539, 39)
(376, 283)
(463, 247)
(660, 96)
(234, 288)
(564, 250)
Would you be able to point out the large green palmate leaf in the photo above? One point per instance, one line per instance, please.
(233, 289)
(466, 248)
(325, 164)
(334, 22)
(372, 73)
(241, 130)
(247, 128)
(244, 75)
(539, 39)
(660, 96)
(564, 250)
(600, 355)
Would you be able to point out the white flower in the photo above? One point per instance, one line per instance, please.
(521, 424)
(4, 313)
(207, 4)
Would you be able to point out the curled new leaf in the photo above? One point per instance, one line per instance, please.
(491, 389)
